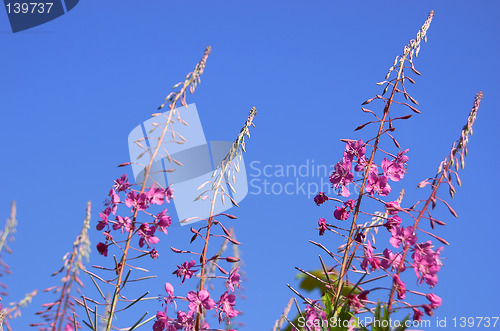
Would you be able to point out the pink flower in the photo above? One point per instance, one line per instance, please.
(392, 260)
(342, 176)
(122, 223)
(350, 204)
(314, 317)
(320, 198)
(185, 321)
(162, 322)
(341, 213)
(147, 235)
(322, 226)
(428, 309)
(434, 299)
(102, 249)
(395, 169)
(393, 222)
(225, 306)
(121, 184)
(233, 279)
(392, 207)
(169, 194)
(402, 235)
(139, 201)
(185, 271)
(199, 300)
(377, 184)
(370, 258)
(426, 262)
(104, 219)
(163, 221)
(156, 195)
(114, 200)
(400, 286)
(417, 314)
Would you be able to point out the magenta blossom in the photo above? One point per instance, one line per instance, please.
(370, 258)
(102, 248)
(146, 233)
(156, 195)
(163, 221)
(393, 222)
(138, 201)
(392, 261)
(123, 223)
(121, 184)
(104, 219)
(426, 262)
(377, 184)
(402, 235)
(392, 207)
(162, 322)
(185, 271)
(114, 199)
(225, 306)
(320, 198)
(314, 318)
(199, 300)
(341, 177)
(417, 314)
(400, 286)
(233, 279)
(322, 226)
(341, 213)
(434, 299)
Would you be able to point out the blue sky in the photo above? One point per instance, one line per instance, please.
(73, 89)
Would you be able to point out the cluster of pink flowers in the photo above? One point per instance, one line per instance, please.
(199, 301)
(137, 202)
(425, 260)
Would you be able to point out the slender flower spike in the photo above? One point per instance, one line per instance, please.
(185, 271)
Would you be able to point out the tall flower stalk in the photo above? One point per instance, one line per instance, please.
(61, 313)
(13, 309)
(348, 291)
(200, 301)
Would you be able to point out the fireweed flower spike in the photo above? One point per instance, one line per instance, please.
(62, 313)
(406, 233)
(136, 229)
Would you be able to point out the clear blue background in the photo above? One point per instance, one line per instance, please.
(73, 89)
